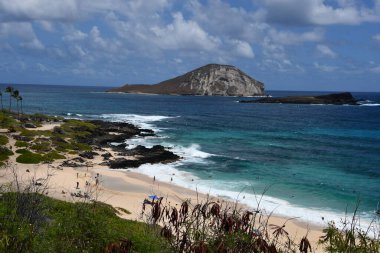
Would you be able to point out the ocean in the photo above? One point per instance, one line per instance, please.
(314, 162)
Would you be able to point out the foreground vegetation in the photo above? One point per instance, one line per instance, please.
(32, 222)
(214, 227)
(36, 223)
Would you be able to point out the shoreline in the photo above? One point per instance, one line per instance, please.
(127, 189)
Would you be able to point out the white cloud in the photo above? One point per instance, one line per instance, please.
(41, 67)
(75, 35)
(319, 12)
(32, 44)
(73, 10)
(292, 38)
(325, 68)
(46, 25)
(33, 10)
(376, 37)
(375, 69)
(233, 22)
(243, 49)
(90, 46)
(326, 51)
(183, 34)
(23, 31)
(272, 50)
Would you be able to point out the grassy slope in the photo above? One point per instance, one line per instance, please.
(36, 223)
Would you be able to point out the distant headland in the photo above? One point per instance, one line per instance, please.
(209, 80)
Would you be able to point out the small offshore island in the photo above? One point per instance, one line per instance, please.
(209, 80)
(345, 98)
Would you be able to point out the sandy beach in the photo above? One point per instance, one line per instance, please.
(127, 189)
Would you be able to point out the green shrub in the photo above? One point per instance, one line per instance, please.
(23, 151)
(82, 147)
(20, 144)
(73, 125)
(33, 133)
(3, 139)
(30, 158)
(5, 153)
(51, 156)
(7, 120)
(41, 147)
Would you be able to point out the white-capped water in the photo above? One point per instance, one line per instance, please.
(143, 121)
(191, 154)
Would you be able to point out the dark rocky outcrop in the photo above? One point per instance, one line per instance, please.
(121, 148)
(18, 137)
(156, 154)
(107, 132)
(209, 80)
(74, 163)
(29, 125)
(106, 156)
(88, 154)
(333, 99)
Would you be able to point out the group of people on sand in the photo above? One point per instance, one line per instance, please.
(88, 183)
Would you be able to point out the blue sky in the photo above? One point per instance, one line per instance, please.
(287, 44)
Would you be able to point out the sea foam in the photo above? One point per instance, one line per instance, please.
(171, 173)
(143, 121)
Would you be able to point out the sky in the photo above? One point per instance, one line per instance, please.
(331, 45)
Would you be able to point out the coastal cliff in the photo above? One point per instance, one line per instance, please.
(209, 80)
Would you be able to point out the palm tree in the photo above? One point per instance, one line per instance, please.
(15, 95)
(1, 99)
(20, 99)
(9, 90)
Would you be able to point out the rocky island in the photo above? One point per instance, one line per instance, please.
(344, 98)
(209, 80)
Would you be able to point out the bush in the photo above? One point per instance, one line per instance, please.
(7, 120)
(33, 133)
(20, 144)
(3, 139)
(54, 155)
(5, 153)
(22, 151)
(30, 158)
(41, 147)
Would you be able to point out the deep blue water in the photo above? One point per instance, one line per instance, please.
(316, 160)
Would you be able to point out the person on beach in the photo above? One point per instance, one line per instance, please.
(77, 185)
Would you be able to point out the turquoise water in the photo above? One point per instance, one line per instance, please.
(316, 160)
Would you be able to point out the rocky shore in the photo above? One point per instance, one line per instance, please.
(108, 141)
